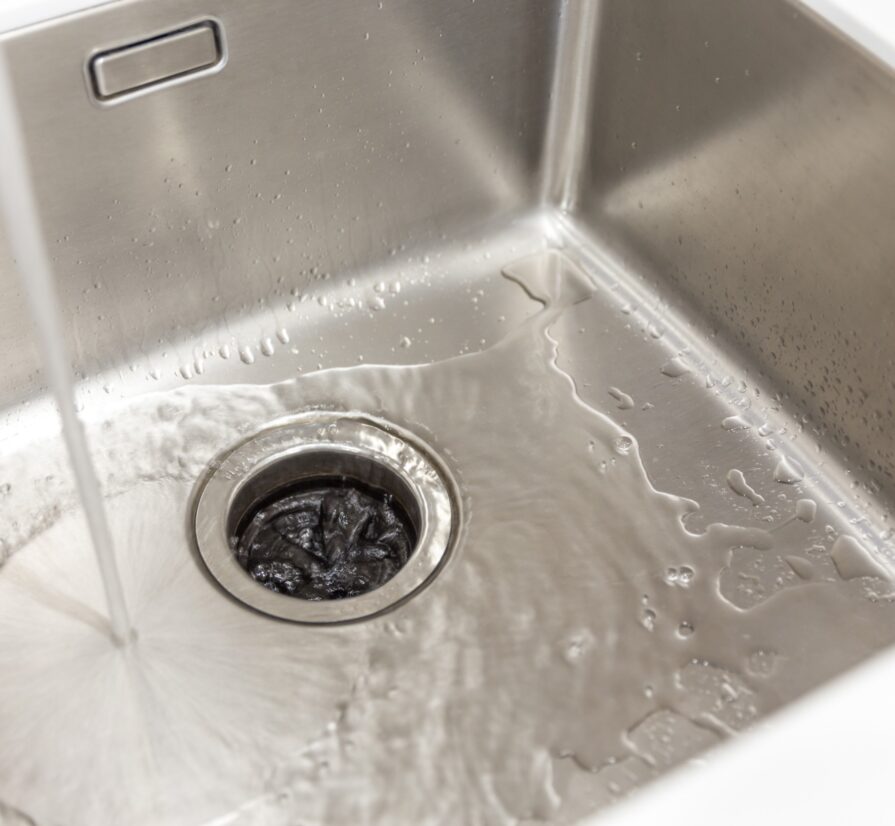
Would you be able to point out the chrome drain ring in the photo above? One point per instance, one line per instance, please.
(328, 444)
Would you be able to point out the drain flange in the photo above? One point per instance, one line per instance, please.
(325, 517)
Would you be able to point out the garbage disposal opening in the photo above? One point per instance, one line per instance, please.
(324, 524)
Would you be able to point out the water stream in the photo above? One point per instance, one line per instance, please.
(30, 250)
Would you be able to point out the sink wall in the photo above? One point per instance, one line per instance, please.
(740, 153)
(734, 154)
(339, 133)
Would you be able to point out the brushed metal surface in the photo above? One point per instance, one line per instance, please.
(167, 57)
(358, 178)
(340, 133)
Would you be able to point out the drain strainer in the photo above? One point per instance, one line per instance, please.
(325, 517)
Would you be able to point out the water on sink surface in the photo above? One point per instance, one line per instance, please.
(581, 640)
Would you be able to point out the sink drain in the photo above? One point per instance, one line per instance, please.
(325, 518)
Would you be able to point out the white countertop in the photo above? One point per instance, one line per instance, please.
(870, 22)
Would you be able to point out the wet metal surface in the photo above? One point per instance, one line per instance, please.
(640, 320)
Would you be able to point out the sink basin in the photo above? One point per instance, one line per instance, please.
(621, 269)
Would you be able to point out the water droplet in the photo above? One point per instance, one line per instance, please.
(648, 619)
(741, 487)
(680, 577)
(735, 423)
(806, 510)
(267, 347)
(578, 645)
(853, 560)
(675, 368)
(762, 663)
(405, 342)
(788, 472)
(800, 566)
(625, 402)
(685, 629)
(623, 445)
(246, 354)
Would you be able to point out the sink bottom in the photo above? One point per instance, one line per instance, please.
(653, 556)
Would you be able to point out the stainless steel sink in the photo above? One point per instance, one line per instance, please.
(624, 266)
